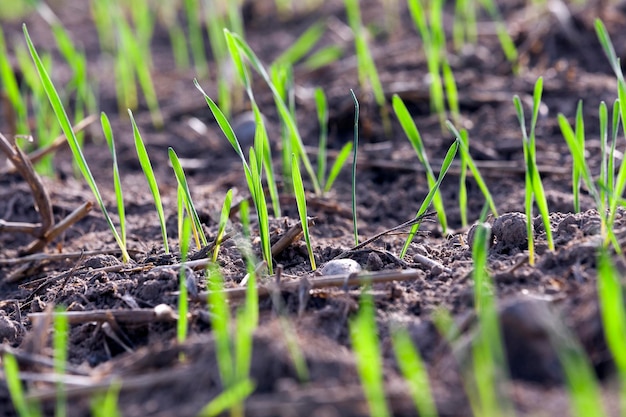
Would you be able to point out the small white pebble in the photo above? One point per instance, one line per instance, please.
(340, 267)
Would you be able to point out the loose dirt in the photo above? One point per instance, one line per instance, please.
(557, 294)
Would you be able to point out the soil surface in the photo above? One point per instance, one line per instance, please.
(133, 345)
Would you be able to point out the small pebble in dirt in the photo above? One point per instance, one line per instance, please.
(374, 263)
(340, 267)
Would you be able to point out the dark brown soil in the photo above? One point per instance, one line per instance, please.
(558, 292)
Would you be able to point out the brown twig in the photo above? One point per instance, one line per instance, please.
(289, 237)
(37, 155)
(46, 257)
(72, 218)
(23, 165)
(161, 312)
(325, 282)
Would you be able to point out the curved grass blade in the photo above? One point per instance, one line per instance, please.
(117, 184)
(298, 188)
(146, 166)
(475, 172)
(223, 221)
(196, 226)
(445, 165)
(230, 398)
(408, 125)
(59, 110)
(183, 297)
(340, 161)
(354, 158)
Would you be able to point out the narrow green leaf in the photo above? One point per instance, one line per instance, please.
(298, 188)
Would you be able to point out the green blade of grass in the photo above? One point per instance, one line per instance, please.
(224, 215)
(183, 298)
(321, 105)
(364, 338)
(340, 161)
(301, 46)
(196, 226)
(283, 110)
(474, 170)
(354, 159)
(445, 165)
(146, 166)
(414, 371)
(220, 314)
(412, 133)
(66, 126)
(119, 195)
(298, 188)
(12, 376)
(59, 342)
(228, 399)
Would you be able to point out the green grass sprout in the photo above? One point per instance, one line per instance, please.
(12, 89)
(368, 74)
(354, 159)
(489, 362)
(229, 399)
(611, 300)
(60, 340)
(233, 40)
(534, 187)
(415, 373)
(364, 338)
(195, 37)
(252, 171)
(119, 195)
(146, 166)
(335, 169)
(64, 121)
(23, 407)
(301, 46)
(224, 215)
(322, 57)
(473, 169)
(445, 165)
(298, 188)
(196, 225)
(106, 404)
(182, 324)
(412, 133)
(579, 132)
(321, 104)
(464, 137)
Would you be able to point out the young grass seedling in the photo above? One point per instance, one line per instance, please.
(611, 300)
(579, 132)
(196, 225)
(408, 125)
(235, 41)
(183, 287)
(106, 404)
(489, 363)
(415, 373)
(445, 165)
(354, 159)
(251, 171)
(232, 398)
(12, 90)
(117, 184)
(534, 186)
(195, 37)
(59, 342)
(23, 407)
(64, 121)
(473, 168)
(224, 215)
(464, 137)
(298, 188)
(302, 46)
(146, 166)
(364, 338)
(368, 74)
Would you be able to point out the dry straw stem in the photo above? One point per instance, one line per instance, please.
(42, 201)
(160, 313)
(325, 282)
